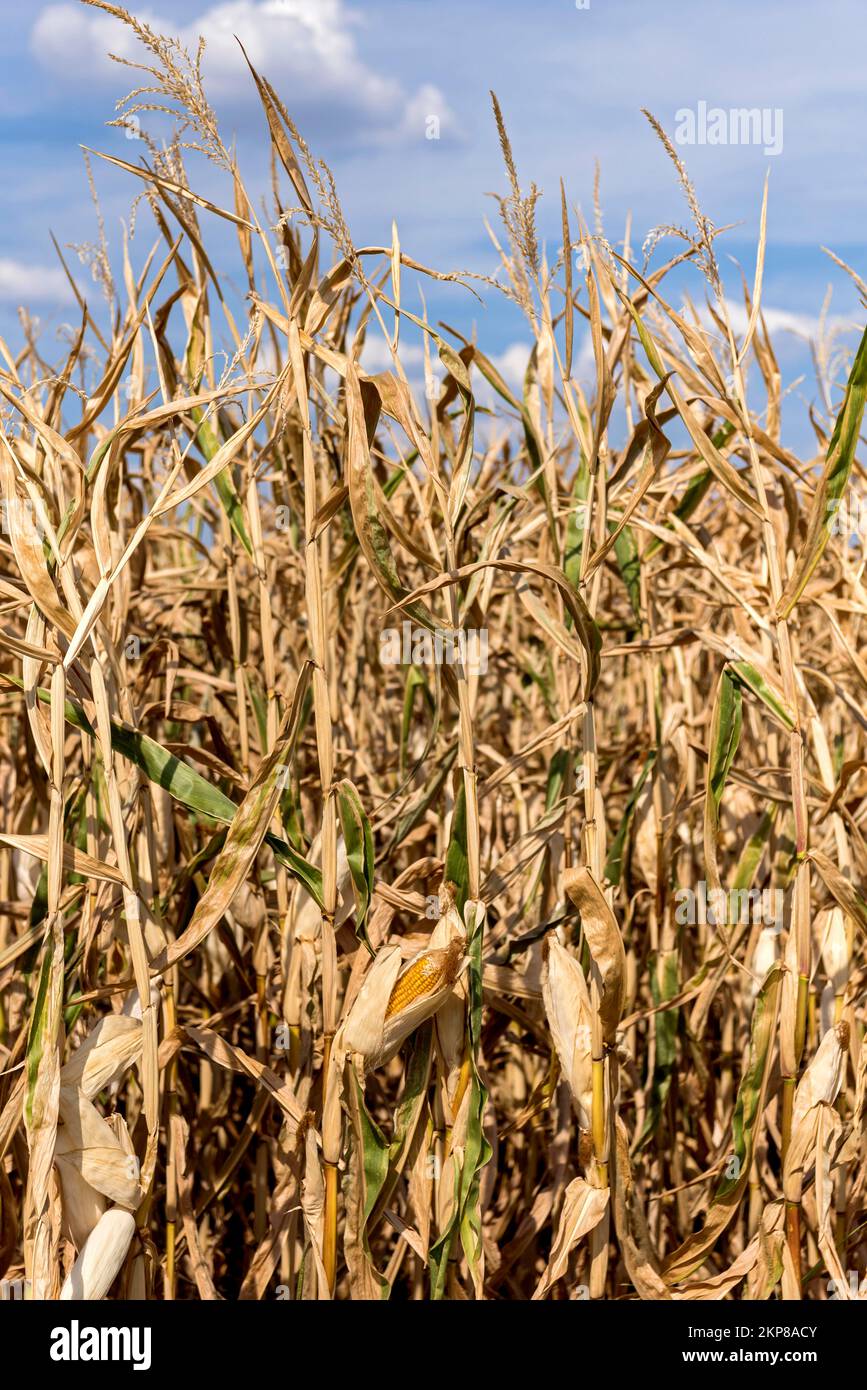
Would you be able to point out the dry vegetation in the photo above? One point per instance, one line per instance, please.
(321, 976)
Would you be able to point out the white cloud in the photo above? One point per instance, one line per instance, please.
(512, 363)
(24, 284)
(304, 47)
(808, 327)
(426, 114)
(376, 356)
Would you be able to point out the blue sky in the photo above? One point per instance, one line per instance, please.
(363, 78)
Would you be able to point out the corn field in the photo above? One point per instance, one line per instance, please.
(433, 814)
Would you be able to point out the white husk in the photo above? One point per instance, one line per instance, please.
(106, 1053)
(831, 927)
(567, 1005)
(104, 1252)
(87, 1143)
(763, 957)
(362, 1031)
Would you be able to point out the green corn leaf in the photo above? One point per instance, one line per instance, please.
(725, 734)
(691, 1254)
(358, 838)
(614, 862)
(746, 675)
(833, 482)
(184, 785)
(457, 867)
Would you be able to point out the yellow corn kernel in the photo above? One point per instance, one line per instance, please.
(423, 977)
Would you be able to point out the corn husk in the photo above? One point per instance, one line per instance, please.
(788, 1008)
(827, 1008)
(605, 944)
(818, 1087)
(82, 1204)
(99, 1262)
(567, 1006)
(828, 1137)
(363, 1029)
(105, 1054)
(831, 930)
(645, 843)
(391, 1005)
(419, 992)
(763, 957)
(87, 1144)
(450, 1020)
(583, 1208)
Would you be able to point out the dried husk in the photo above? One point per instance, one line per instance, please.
(567, 1007)
(99, 1262)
